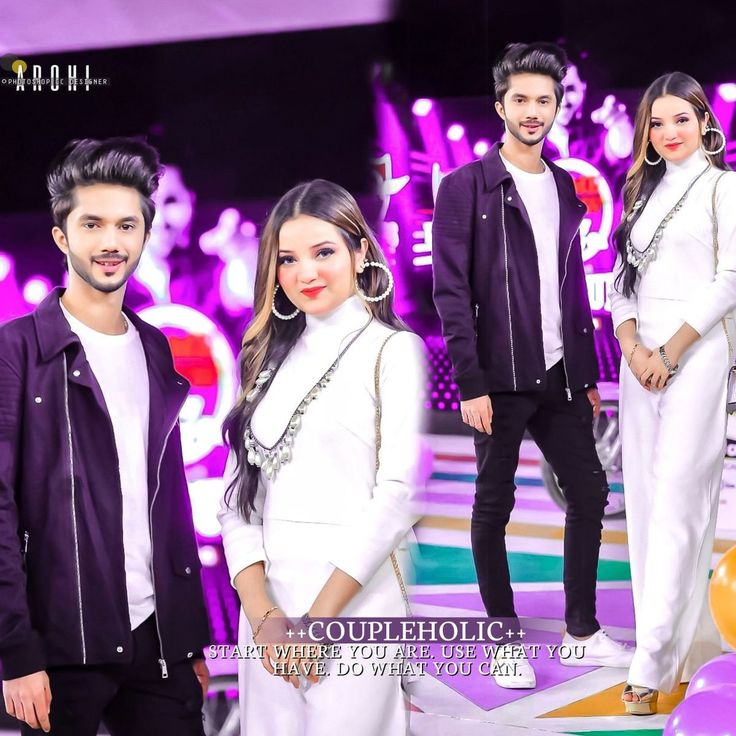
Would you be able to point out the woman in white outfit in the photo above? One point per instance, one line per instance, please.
(308, 523)
(671, 307)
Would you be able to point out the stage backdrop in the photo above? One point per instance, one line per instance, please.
(422, 140)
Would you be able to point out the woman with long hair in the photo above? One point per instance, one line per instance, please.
(672, 303)
(324, 443)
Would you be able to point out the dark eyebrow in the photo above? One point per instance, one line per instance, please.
(679, 114)
(97, 218)
(318, 245)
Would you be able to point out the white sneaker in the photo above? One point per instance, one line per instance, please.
(511, 668)
(598, 651)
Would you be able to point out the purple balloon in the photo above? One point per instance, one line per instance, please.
(717, 672)
(707, 713)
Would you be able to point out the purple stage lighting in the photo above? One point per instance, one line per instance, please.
(459, 145)
(727, 91)
(422, 107)
(6, 263)
(481, 147)
(36, 289)
(209, 555)
(455, 132)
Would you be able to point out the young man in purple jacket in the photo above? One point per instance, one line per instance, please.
(510, 290)
(102, 616)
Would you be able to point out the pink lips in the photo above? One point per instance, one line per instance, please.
(312, 293)
(672, 146)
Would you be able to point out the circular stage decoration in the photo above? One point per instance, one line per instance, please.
(593, 189)
(204, 357)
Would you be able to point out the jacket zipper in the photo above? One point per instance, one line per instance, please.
(162, 660)
(508, 294)
(74, 512)
(25, 544)
(476, 319)
(562, 331)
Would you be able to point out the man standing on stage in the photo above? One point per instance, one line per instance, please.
(102, 616)
(510, 289)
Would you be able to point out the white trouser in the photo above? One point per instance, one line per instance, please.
(365, 705)
(673, 452)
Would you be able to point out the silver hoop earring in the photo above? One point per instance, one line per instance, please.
(721, 147)
(390, 286)
(651, 163)
(276, 311)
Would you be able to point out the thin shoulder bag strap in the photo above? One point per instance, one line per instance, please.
(714, 220)
(377, 386)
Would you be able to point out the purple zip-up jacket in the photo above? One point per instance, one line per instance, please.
(487, 288)
(63, 599)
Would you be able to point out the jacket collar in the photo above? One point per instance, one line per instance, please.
(167, 388)
(495, 173)
(54, 333)
(52, 330)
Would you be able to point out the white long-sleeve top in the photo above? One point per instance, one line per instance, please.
(331, 478)
(684, 266)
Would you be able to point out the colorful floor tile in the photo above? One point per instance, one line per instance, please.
(632, 732)
(482, 690)
(437, 565)
(615, 606)
(566, 700)
(608, 703)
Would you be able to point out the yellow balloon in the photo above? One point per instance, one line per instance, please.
(722, 596)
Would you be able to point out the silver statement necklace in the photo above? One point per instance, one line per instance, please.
(640, 258)
(270, 459)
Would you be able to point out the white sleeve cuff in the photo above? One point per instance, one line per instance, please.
(242, 540)
(619, 318)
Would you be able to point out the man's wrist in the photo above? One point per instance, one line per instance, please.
(24, 658)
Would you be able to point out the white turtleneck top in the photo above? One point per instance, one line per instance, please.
(331, 478)
(684, 266)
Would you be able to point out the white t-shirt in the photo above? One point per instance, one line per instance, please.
(539, 194)
(119, 365)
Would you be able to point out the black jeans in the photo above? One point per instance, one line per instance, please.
(131, 700)
(563, 431)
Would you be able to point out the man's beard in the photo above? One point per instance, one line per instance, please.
(515, 131)
(105, 287)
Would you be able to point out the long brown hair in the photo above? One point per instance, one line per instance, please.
(268, 339)
(642, 179)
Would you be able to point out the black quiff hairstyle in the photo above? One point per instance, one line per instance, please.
(530, 58)
(128, 162)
